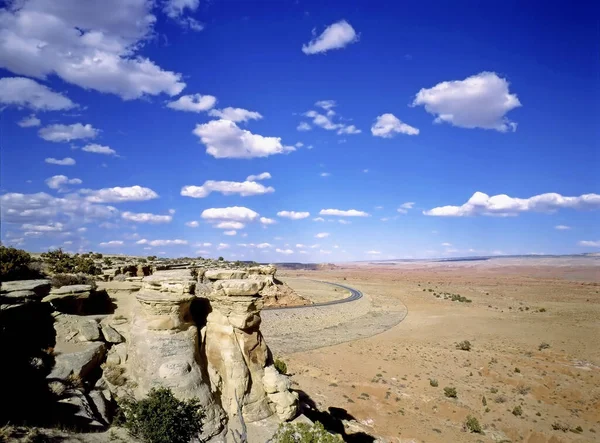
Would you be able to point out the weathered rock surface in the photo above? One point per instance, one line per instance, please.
(178, 281)
(110, 335)
(77, 359)
(239, 287)
(224, 274)
(76, 328)
(23, 291)
(70, 298)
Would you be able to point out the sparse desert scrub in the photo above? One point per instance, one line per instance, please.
(472, 425)
(517, 411)
(450, 392)
(59, 280)
(280, 366)
(464, 345)
(303, 433)
(522, 389)
(433, 382)
(543, 345)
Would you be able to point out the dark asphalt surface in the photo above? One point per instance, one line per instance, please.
(355, 294)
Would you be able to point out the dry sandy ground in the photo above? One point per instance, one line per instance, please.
(384, 381)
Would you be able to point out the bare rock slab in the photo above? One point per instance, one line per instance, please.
(77, 359)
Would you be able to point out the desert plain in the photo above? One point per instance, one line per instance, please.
(532, 373)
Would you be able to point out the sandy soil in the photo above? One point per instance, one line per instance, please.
(384, 381)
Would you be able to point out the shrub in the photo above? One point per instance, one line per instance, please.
(500, 399)
(107, 261)
(559, 427)
(303, 433)
(280, 366)
(517, 411)
(433, 382)
(61, 262)
(59, 280)
(14, 264)
(493, 390)
(522, 389)
(151, 257)
(577, 430)
(221, 259)
(450, 392)
(464, 345)
(472, 424)
(162, 418)
(517, 370)
(484, 401)
(543, 345)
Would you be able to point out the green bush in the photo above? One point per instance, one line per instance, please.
(221, 259)
(517, 411)
(304, 433)
(433, 382)
(450, 392)
(14, 264)
(162, 418)
(60, 280)
(464, 345)
(151, 257)
(280, 366)
(61, 262)
(543, 345)
(472, 424)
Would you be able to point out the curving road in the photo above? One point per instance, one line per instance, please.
(355, 294)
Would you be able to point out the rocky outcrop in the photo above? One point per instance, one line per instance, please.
(202, 339)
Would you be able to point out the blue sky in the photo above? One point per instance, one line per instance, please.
(426, 130)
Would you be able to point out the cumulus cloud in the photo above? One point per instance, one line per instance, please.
(26, 93)
(503, 205)
(67, 161)
(99, 149)
(29, 122)
(230, 225)
(145, 217)
(284, 251)
(192, 224)
(322, 235)
(562, 227)
(84, 45)
(244, 189)
(50, 227)
(224, 139)
(335, 36)
(234, 213)
(235, 114)
(319, 219)
(222, 246)
(303, 126)
(232, 232)
(326, 121)
(326, 104)
(388, 125)
(67, 133)
(177, 9)
(479, 101)
(404, 207)
(350, 129)
(293, 214)
(174, 242)
(342, 213)
(262, 176)
(60, 181)
(590, 243)
(325, 174)
(193, 103)
(111, 243)
(119, 194)
(267, 221)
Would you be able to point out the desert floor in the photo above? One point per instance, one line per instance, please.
(383, 380)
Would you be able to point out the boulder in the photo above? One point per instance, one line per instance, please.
(274, 382)
(78, 407)
(262, 270)
(23, 291)
(285, 404)
(178, 282)
(76, 328)
(77, 359)
(224, 274)
(110, 335)
(69, 299)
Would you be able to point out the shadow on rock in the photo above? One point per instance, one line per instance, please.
(332, 419)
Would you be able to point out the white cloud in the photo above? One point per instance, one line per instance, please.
(447, 244)
(373, 252)
(244, 189)
(342, 213)
(26, 93)
(145, 217)
(590, 243)
(503, 205)
(119, 194)
(322, 235)
(204, 245)
(111, 243)
(264, 245)
(51, 227)
(176, 10)
(193, 103)
(319, 219)
(222, 246)
(99, 149)
(562, 227)
(284, 251)
(234, 213)
(303, 126)
(267, 221)
(300, 246)
(479, 101)
(261, 176)
(388, 125)
(224, 139)
(325, 174)
(59, 181)
(29, 122)
(230, 225)
(322, 251)
(162, 242)
(192, 224)
(294, 215)
(326, 104)
(344, 222)
(232, 232)
(67, 161)
(404, 207)
(299, 144)
(335, 36)
(235, 114)
(67, 133)
(350, 129)
(323, 121)
(84, 45)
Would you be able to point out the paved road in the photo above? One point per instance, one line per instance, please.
(355, 294)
